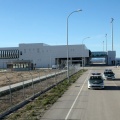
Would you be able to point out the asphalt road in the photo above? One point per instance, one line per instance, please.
(80, 103)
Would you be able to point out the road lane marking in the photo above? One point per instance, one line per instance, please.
(76, 98)
(115, 84)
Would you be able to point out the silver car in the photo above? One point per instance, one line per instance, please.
(96, 82)
(97, 73)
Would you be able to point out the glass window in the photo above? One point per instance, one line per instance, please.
(20, 52)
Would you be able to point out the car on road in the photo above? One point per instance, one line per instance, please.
(109, 74)
(97, 73)
(108, 70)
(96, 82)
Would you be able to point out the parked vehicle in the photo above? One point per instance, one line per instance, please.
(54, 66)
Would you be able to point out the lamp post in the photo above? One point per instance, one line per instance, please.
(67, 42)
(103, 46)
(106, 42)
(112, 32)
(82, 51)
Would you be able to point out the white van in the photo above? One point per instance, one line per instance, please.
(54, 66)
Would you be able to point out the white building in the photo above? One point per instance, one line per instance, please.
(43, 55)
(111, 57)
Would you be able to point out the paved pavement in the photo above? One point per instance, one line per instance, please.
(79, 103)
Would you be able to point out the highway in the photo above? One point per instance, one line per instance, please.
(80, 103)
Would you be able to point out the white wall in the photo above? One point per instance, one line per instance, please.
(43, 55)
(111, 57)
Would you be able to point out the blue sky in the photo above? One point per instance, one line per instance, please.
(45, 21)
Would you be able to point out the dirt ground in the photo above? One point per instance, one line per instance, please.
(10, 77)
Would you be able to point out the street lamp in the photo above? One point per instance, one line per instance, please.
(112, 32)
(67, 42)
(103, 46)
(106, 42)
(82, 50)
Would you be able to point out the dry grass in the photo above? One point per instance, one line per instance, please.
(11, 77)
(18, 96)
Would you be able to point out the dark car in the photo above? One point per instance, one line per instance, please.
(109, 75)
(109, 70)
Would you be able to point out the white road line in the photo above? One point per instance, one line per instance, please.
(115, 84)
(76, 99)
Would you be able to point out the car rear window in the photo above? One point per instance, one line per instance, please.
(95, 78)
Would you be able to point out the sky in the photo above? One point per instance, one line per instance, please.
(45, 21)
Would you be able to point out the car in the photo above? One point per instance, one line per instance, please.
(109, 74)
(54, 66)
(109, 70)
(96, 82)
(97, 73)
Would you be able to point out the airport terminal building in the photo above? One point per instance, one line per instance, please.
(41, 55)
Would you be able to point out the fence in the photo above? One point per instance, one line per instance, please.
(25, 85)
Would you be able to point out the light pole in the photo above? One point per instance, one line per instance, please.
(82, 51)
(67, 42)
(103, 46)
(112, 32)
(106, 42)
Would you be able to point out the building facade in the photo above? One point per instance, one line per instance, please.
(43, 55)
(40, 55)
(111, 57)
